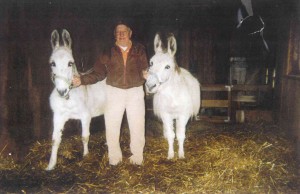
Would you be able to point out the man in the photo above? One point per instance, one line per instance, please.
(124, 65)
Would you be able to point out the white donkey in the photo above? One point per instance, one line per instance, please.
(83, 102)
(176, 93)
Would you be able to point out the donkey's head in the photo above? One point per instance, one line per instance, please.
(62, 63)
(162, 65)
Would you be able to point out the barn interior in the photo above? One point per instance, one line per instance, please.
(246, 57)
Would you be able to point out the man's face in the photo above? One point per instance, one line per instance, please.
(122, 35)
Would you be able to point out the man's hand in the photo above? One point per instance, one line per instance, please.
(145, 74)
(76, 81)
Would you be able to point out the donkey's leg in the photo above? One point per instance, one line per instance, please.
(85, 123)
(58, 123)
(180, 134)
(169, 134)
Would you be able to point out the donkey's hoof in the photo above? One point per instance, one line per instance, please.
(115, 161)
(49, 168)
(170, 156)
(181, 154)
(85, 153)
(138, 160)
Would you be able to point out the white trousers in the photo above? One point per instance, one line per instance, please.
(119, 100)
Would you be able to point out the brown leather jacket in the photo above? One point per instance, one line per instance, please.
(110, 64)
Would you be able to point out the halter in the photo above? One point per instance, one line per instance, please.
(67, 81)
(155, 76)
(177, 69)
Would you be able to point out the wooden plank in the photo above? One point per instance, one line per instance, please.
(214, 119)
(244, 98)
(215, 87)
(238, 87)
(215, 103)
(251, 88)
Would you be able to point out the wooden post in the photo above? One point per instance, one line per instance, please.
(7, 144)
(35, 102)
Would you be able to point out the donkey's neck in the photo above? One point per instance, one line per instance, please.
(176, 74)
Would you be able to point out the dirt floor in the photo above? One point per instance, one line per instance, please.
(253, 157)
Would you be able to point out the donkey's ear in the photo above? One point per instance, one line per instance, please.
(54, 39)
(66, 38)
(157, 43)
(172, 45)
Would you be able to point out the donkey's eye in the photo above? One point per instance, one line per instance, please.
(52, 64)
(151, 63)
(167, 67)
(70, 64)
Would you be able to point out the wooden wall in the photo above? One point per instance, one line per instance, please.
(290, 105)
(287, 109)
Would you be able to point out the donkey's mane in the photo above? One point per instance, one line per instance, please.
(177, 69)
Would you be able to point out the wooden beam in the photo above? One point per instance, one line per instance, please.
(251, 88)
(215, 87)
(215, 103)
(214, 119)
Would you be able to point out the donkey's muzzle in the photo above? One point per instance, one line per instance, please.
(62, 93)
(152, 81)
(150, 87)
